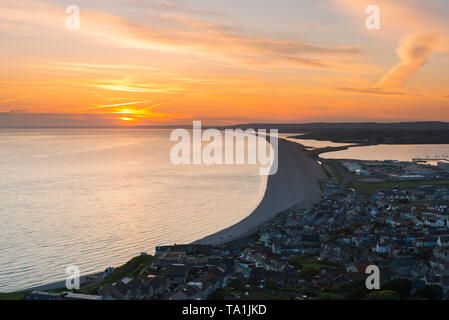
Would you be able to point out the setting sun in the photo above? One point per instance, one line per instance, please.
(127, 111)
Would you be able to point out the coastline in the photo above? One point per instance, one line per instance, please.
(294, 184)
(57, 284)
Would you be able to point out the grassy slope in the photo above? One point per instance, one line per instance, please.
(130, 269)
(12, 296)
(369, 187)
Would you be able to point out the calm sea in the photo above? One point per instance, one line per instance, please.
(95, 198)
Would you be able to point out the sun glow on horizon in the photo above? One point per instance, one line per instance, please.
(128, 111)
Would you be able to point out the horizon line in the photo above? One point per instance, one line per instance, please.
(225, 126)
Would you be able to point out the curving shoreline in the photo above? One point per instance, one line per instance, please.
(295, 183)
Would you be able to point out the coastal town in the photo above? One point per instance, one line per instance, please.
(390, 214)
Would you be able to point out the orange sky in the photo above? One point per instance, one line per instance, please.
(145, 62)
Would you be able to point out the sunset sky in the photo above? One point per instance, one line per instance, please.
(155, 62)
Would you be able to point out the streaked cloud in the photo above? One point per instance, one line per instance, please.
(87, 66)
(193, 36)
(374, 91)
(414, 52)
(229, 42)
(172, 6)
(134, 88)
(117, 105)
(14, 99)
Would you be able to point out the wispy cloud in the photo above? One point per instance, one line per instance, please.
(229, 41)
(132, 87)
(404, 16)
(414, 52)
(180, 34)
(117, 105)
(171, 6)
(14, 99)
(88, 66)
(376, 91)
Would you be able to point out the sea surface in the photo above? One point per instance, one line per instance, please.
(391, 152)
(310, 143)
(95, 198)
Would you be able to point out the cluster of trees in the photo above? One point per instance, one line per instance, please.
(394, 290)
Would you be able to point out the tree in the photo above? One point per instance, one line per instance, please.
(237, 284)
(218, 295)
(296, 261)
(401, 286)
(383, 295)
(308, 272)
(325, 296)
(353, 290)
(430, 293)
(356, 294)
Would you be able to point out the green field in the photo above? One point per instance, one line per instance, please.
(305, 261)
(370, 187)
(130, 269)
(12, 296)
